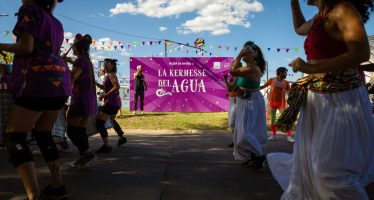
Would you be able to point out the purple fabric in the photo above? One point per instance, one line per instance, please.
(5, 80)
(113, 98)
(83, 101)
(182, 84)
(42, 73)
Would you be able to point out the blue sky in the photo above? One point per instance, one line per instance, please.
(185, 20)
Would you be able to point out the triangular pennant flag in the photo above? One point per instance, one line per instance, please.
(219, 47)
(103, 42)
(150, 42)
(7, 33)
(278, 49)
(269, 49)
(227, 48)
(287, 50)
(129, 46)
(143, 43)
(56, 83)
(135, 43)
(67, 40)
(115, 47)
(159, 42)
(94, 42)
(236, 48)
(14, 37)
(121, 46)
(296, 50)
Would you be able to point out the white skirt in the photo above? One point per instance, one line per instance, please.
(232, 113)
(250, 132)
(333, 150)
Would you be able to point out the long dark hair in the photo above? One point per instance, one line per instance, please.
(113, 62)
(46, 4)
(260, 60)
(363, 7)
(83, 48)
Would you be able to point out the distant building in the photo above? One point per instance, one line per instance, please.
(124, 90)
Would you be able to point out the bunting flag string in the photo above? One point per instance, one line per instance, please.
(175, 46)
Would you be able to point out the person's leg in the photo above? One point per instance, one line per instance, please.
(136, 97)
(47, 145)
(102, 117)
(75, 135)
(82, 130)
(117, 128)
(87, 157)
(20, 122)
(289, 134)
(272, 113)
(122, 140)
(142, 102)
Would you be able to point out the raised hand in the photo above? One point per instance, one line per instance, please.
(299, 65)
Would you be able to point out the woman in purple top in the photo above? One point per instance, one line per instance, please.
(41, 83)
(112, 103)
(83, 102)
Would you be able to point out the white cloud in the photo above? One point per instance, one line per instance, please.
(214, 16)
(102, 44)
(162, 29)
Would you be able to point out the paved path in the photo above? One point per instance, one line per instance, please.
(158, 165)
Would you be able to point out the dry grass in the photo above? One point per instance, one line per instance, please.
(174, 121)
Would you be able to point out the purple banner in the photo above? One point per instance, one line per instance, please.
(182, 84)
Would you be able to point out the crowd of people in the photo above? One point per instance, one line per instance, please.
(333, 156)
(41, 84)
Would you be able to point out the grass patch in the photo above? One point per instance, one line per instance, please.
(174, 121)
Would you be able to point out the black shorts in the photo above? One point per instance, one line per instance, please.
(110, 109)
(41, 103)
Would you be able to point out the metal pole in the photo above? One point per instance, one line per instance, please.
(166, 48)
(267, 71)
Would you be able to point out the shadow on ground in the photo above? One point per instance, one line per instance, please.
(158, 167)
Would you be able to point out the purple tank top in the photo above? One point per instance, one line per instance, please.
(42, 73)
(113, 98)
